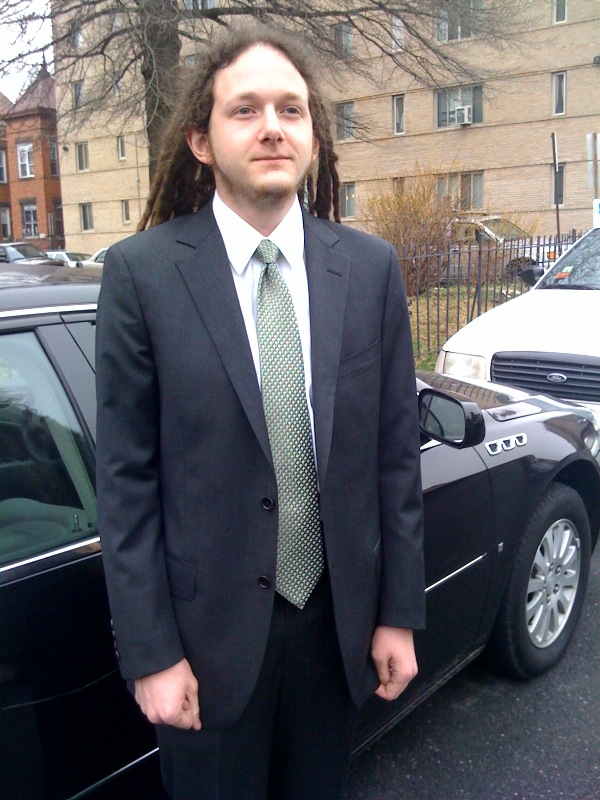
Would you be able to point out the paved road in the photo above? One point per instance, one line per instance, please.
(485, 738)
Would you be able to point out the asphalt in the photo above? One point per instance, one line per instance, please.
(482, 737)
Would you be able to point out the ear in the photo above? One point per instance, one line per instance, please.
(200, 146)
(315, 149)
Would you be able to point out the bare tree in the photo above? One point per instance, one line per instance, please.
(123, 57)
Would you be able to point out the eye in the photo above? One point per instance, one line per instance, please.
(243, 111)
(292, 111)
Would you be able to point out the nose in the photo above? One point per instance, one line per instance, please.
(271, 128)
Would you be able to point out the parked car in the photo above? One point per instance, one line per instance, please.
(68, 257)
(520, 248)
(23, 253)
(510, 485)
(545, 340)
(93, 261)
(505, 246)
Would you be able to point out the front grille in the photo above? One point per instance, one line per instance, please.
(530, 371)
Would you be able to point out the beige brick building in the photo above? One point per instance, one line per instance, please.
(489, 142)
(500, 159)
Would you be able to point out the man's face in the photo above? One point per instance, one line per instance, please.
(260, 140)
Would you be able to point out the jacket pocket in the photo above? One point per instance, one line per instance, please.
(182, 578)
(361, 360)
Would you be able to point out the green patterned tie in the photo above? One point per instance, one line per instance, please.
(299, 543)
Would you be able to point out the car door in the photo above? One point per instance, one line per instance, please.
(66, 721)
(459, 542)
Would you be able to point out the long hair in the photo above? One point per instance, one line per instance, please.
(182, 184)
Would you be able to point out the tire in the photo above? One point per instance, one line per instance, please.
(546, 588)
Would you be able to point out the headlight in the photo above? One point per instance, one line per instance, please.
(461, 365)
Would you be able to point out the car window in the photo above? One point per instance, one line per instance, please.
(579, 267)
(47, 496)
(505, 229)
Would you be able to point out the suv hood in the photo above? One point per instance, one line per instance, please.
(544, 320)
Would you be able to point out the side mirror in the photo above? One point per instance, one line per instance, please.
(79, 264)
(531, 275)
(453, 421)
(3, 259)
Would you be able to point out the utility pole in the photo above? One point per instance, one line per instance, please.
(555, 159)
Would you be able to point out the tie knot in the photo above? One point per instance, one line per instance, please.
(267, 252)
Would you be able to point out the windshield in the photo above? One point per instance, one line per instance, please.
(579, 268)
(23, 251)
(505, 229)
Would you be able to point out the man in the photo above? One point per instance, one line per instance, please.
(257, 602)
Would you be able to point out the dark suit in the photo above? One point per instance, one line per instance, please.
(186, 487)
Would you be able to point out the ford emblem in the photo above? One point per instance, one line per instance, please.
(556, 377)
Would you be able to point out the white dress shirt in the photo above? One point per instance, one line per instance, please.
(241, 241)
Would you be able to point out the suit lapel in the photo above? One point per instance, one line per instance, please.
(207, 273)
(328, 279)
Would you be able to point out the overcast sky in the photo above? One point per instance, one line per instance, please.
(12, 84)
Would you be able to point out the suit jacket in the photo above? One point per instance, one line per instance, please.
(187, 493)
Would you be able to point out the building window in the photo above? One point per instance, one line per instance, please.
(559, 93)
(54, 159)
(116, 22)
(86, 215)
(560, 10)
(448, 100)
(344, 121)
(397, 33)
(76, 35)
(199, 5)
(190, 61)
(342, 40)
(559, 185)
(125, 214)
(465, 189)
(5, 222)
(30, 221)
(121, 150)
(3, 173)
(59, 227)
(398, 113)
(82, 156)
(25, 158)
(458, 19)
(77, 87)
(347, 200)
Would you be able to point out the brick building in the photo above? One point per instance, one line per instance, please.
(32, 207)
(488, 143)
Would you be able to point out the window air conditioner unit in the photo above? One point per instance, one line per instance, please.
(464, 115)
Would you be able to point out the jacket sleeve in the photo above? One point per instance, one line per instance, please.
(128, 478)
(402, 597)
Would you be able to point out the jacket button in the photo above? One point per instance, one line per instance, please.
(264, 582)
(268, 503)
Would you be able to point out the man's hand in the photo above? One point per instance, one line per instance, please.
(170, 697)
(393, 653)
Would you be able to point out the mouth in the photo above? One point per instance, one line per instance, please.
(272, 159)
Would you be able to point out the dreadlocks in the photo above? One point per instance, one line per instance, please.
(182, 185)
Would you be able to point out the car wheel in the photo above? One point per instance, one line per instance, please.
(546, 589)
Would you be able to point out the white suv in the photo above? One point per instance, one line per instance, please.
(545, 340)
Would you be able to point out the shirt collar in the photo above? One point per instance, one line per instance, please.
(241, 239)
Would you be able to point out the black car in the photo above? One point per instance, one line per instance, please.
(511, 484)
(23, 254)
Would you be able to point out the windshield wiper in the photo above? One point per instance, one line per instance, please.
(569, 286)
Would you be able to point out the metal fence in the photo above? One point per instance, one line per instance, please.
(448, 288)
